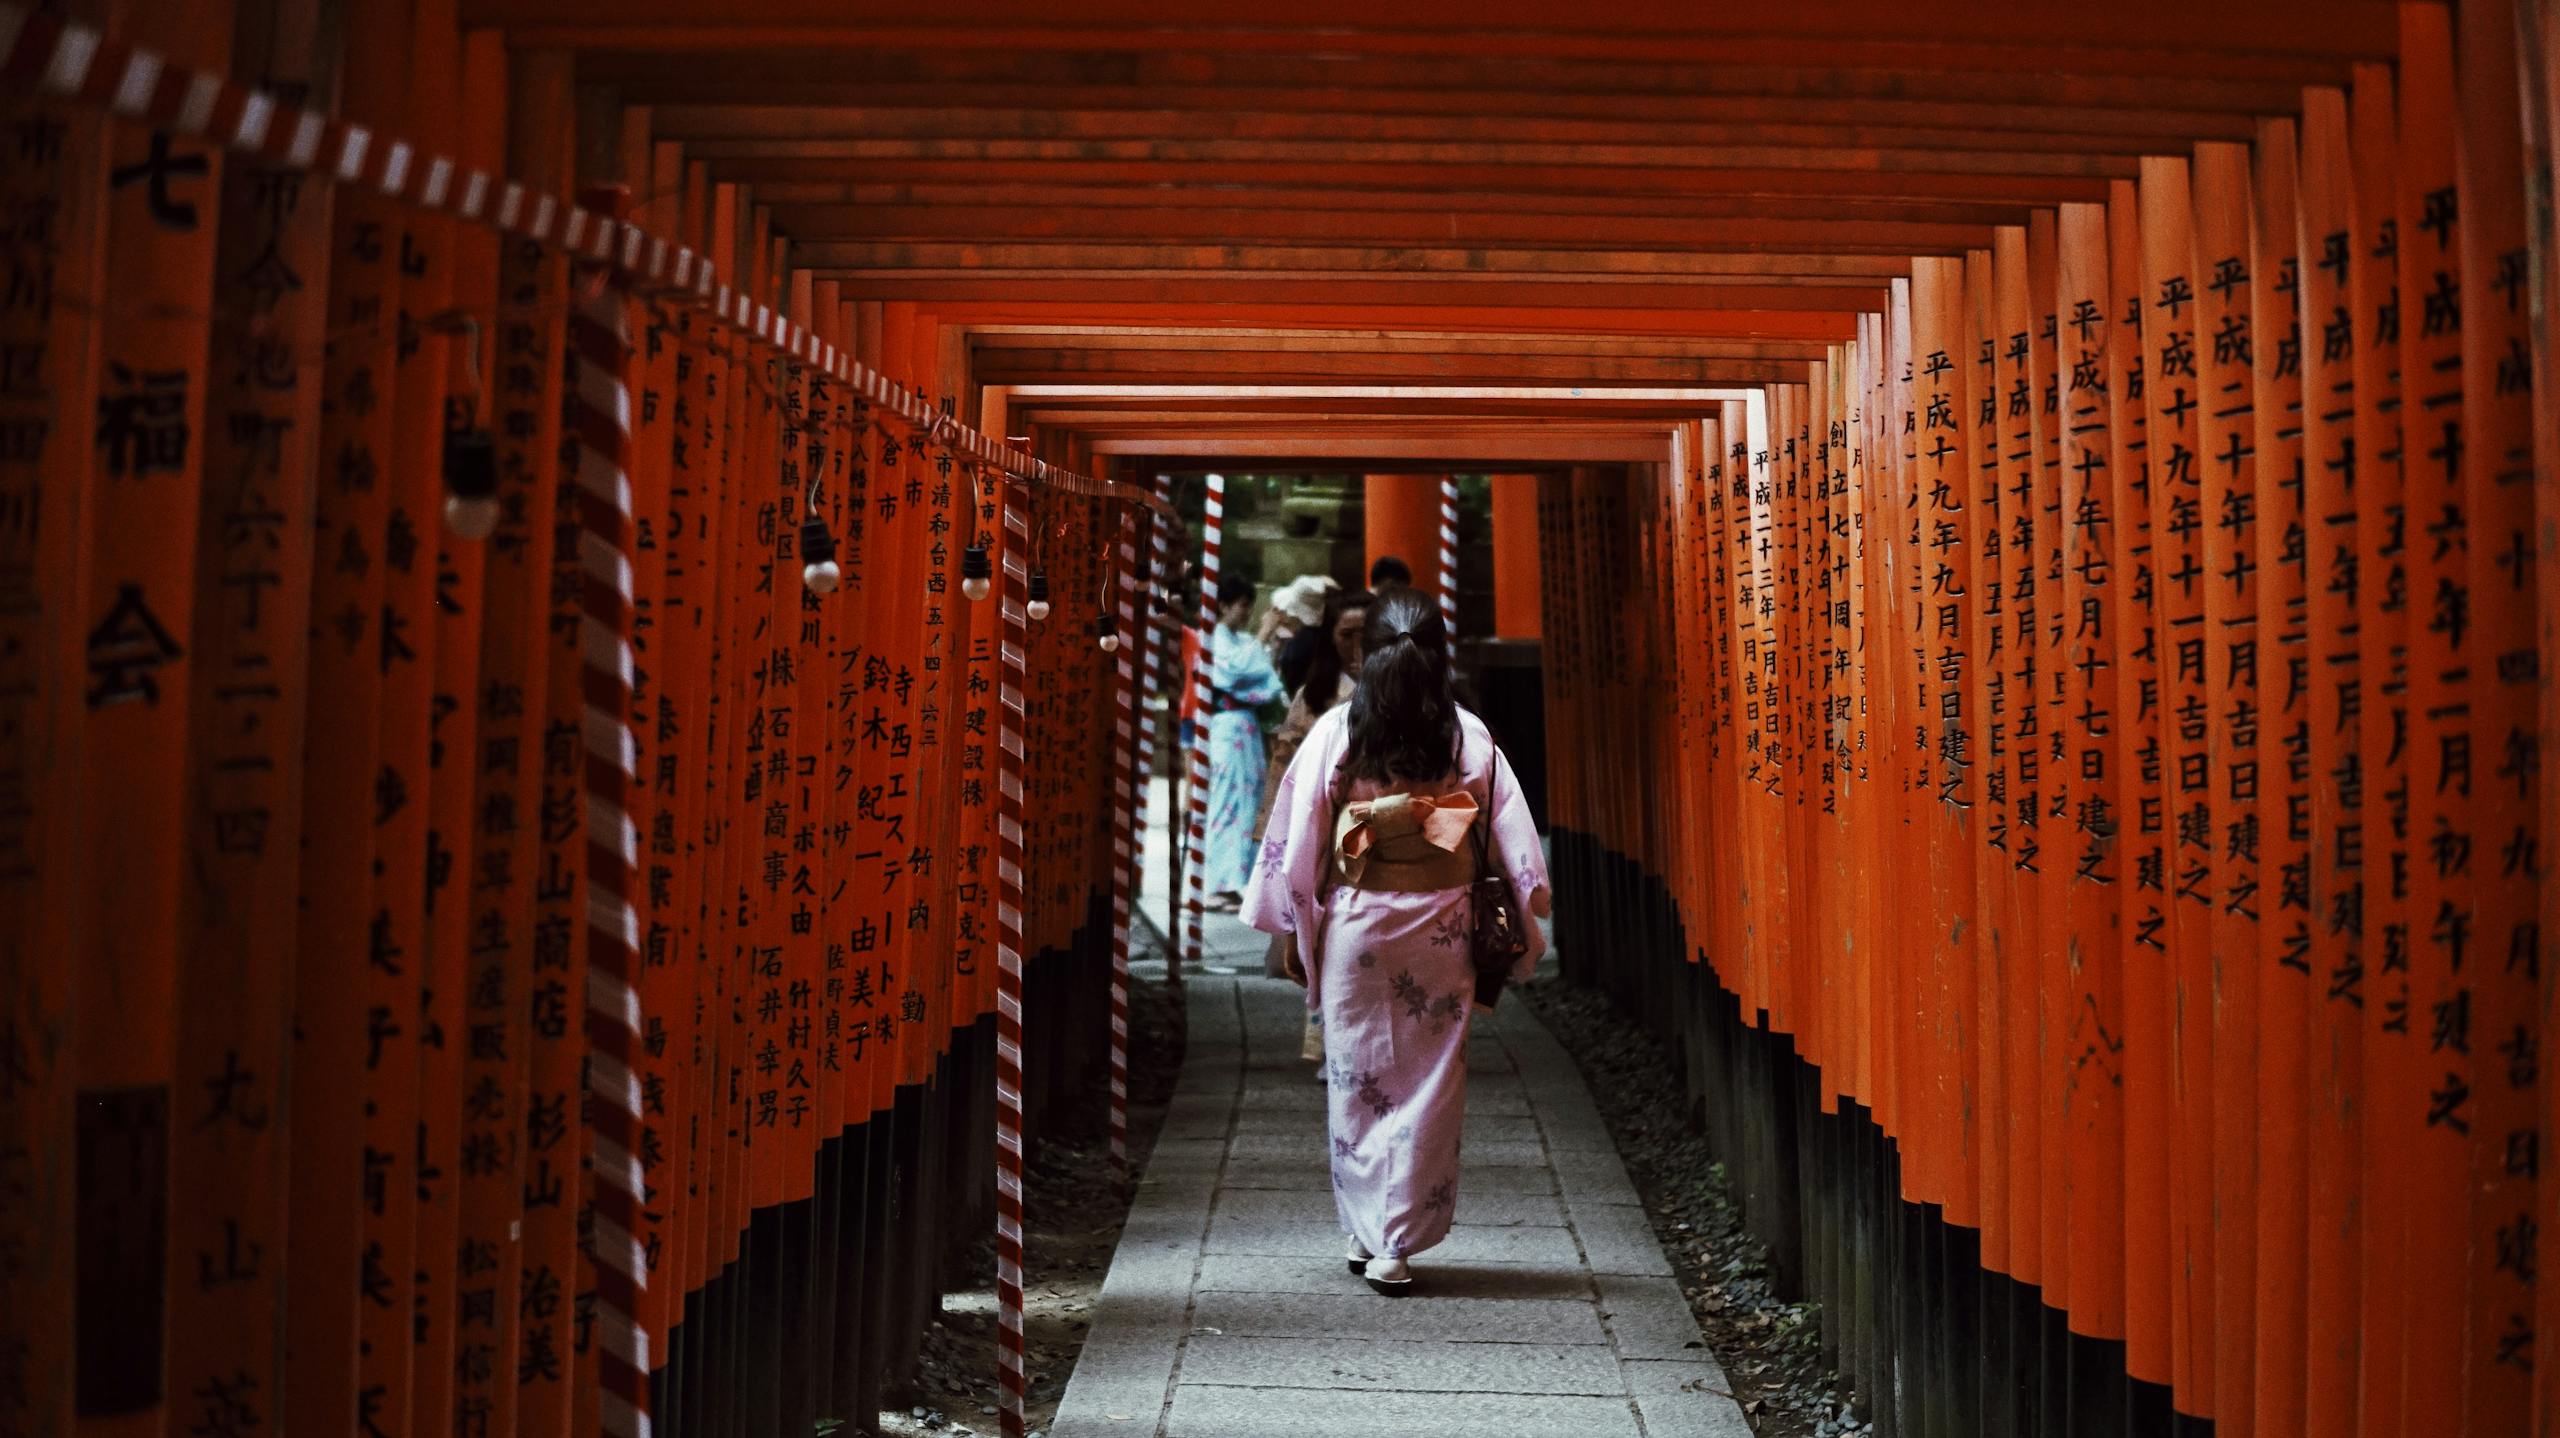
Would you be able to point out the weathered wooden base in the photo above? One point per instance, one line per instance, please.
(1928, 1342)
(823, 1311)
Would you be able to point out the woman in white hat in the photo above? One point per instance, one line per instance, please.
(1295, 606)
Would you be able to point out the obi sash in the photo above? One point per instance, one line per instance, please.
(1405, 843)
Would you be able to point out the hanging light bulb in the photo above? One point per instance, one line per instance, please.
(1038, 608)
(975, 571)
(471, 508)
(1109, 627)
(818, 569)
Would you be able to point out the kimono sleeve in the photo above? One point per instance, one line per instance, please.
(1523, 859)
(1286, 893)
(1244, 670)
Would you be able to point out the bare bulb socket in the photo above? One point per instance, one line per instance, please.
(471, 507)
(818, 568)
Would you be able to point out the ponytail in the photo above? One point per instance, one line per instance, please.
(1404, 715)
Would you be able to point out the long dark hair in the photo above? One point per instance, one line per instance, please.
(1404, 715)
(1324, 666)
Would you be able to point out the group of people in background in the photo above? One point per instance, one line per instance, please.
(1307, 650)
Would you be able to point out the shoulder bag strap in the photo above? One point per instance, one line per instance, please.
(1484, 817)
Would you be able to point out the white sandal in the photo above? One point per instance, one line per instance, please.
(1358, 1258)
(1394, 1284)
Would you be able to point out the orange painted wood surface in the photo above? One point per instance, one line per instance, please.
(2035, 541)
(1516, 576)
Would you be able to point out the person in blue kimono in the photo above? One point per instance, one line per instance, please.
(1241, 681)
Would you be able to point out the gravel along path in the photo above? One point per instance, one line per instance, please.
(1072, 1224)
(1771, 1351)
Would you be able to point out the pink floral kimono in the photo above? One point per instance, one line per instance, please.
(1387, 967)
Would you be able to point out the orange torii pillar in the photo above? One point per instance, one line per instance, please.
(1404, 520)
(1515, 556)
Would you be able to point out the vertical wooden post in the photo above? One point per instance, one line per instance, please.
(2015, 718)
(2229, 464)
(1516, 578)
(2327, 229)
(138, 520)
(2141, 803)
(228, 1234)
(522, 404)
(2499, 485)
(2093, 1147)
(327, 1202)
(2440, 779)
(400, 978)
(2049, 680)
(2184, 979)
(52, 199)
(1401, 517)
(2381, 987)
(2286, 676)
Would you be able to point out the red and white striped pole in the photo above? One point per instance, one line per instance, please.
(1213, 520)
(51, 55)
(1016, 593)
(1124, 823)
(599, 337)
(1160, 634)
(1449, 555)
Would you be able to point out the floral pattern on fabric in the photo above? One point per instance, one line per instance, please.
(1242, 671)
(1396, 1014)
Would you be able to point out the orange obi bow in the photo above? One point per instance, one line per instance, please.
(1401, 829)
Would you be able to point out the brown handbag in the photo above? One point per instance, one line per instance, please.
(1499, 934)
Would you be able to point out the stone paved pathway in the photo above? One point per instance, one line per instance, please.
(1227, 1313)
(1228, 945)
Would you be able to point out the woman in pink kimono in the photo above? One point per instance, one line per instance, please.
(1366, 863)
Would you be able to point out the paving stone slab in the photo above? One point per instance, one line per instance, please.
(1262, 1273)
(1593, 1178)
(1480, 1207)
(1307, 1146)
(1499, 1153)
(1648, 1318)
(1121, 1373)
(1483, 1128)
(1284, 1118)
(1657, 1377)
(1477, 1208)
(1617, 1238)
(1199, 1115)
(1400, 1365)
(1574, 1128)
(1685, 1400)
(1280, 1096)
(1203, 1411)
(1466, 1243)
(1366, 1315)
